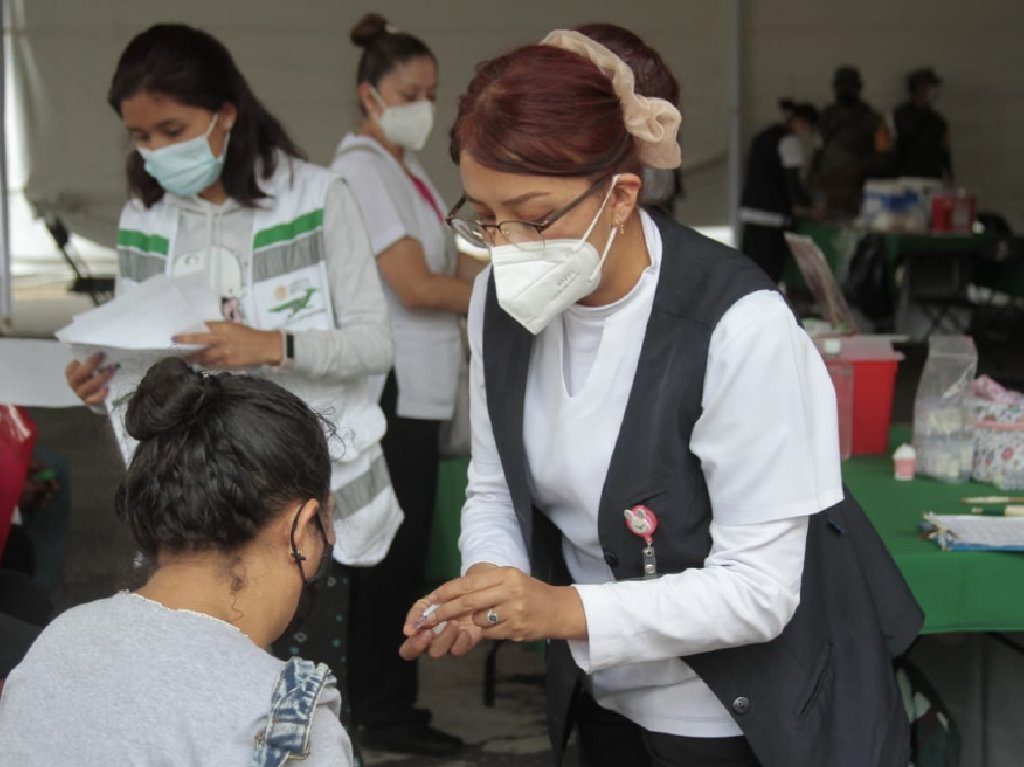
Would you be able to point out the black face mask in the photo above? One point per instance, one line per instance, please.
(320, 573)
(312, 584)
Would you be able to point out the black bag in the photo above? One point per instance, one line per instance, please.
(868, 282)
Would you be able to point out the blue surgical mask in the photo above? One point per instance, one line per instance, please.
(187, 167)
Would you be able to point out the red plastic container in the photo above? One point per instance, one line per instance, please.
(874, 382)
(874, 366)
(953, 212)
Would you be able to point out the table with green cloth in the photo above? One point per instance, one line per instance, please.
(958, 590)
(837, 241)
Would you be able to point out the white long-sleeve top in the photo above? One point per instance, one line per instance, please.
(768, 445)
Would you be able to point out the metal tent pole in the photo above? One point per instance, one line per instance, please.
(6, 307)
(735, 152)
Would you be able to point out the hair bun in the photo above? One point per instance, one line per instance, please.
(170, 396)
(368, 29)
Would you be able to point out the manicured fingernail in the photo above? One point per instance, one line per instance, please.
(100, 356)
(430, 610)
(106, 390)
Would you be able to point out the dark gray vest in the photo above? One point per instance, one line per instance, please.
(822, 693)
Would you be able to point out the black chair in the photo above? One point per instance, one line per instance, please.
(998, 280)
(937, 282)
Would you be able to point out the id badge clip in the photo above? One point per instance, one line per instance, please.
(643, 523)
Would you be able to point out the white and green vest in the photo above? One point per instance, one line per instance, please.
(287, 283)
(287, 287)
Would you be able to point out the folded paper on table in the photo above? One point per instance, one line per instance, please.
(956, 532)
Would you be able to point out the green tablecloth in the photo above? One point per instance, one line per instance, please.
(958, 590)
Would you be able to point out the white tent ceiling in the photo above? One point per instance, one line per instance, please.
(300, 62)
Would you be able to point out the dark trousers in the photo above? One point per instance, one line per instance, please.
(382, 685)
(766, 246)
(607, 739)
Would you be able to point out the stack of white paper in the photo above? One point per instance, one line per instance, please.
(136, 329)
(962, 532)
(147, 316)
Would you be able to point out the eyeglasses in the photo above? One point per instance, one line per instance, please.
(525, 235)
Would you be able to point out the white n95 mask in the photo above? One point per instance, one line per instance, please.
(535, 286)
(406, 125)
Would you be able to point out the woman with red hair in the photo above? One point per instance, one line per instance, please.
(655, 440)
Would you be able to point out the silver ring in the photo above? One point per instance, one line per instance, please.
(492, 617)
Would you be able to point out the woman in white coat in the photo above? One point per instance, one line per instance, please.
(427, 287)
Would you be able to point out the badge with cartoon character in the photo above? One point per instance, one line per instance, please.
(643, 523)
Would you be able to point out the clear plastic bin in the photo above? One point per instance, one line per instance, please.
(943, 427)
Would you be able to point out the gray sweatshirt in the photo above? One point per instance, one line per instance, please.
(125, 681)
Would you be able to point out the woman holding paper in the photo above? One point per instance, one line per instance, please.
(707, 594)
(219, 188)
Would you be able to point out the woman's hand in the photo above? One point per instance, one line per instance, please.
(525, 608)
(88, 380)
(233, 345)
(457, 638)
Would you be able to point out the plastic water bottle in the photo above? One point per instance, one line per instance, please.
(841, 373)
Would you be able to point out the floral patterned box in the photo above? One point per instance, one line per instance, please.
(999, 453)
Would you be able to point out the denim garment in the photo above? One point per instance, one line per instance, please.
(291, 713)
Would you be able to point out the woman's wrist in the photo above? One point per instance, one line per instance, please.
(570, 616)
(273, 347)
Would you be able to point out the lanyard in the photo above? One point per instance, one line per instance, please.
(424, 191)
(643, 523)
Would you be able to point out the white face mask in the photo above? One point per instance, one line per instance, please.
(535, 286)
(405, 125)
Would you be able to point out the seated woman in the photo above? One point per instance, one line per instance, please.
(228, 495)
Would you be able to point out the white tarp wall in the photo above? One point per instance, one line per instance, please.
(790, 47)
(299, 60)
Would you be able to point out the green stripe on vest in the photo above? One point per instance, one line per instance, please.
(304, 224)
(147, 243)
